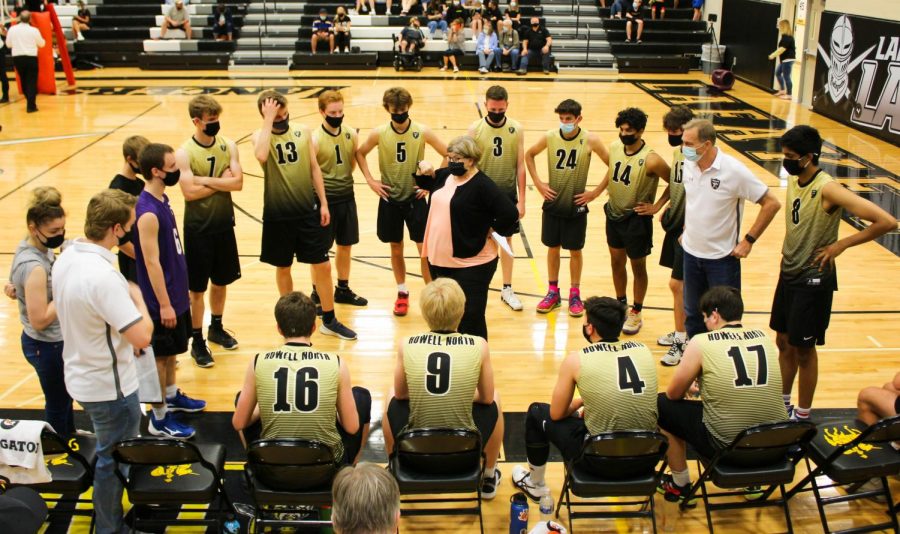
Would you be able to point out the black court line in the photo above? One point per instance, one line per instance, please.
(247, 213)
(79, 151)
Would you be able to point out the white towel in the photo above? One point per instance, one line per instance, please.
(21, 455)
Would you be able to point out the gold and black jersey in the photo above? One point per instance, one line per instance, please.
(673, 217)
(214, 213)
(629, 182)
(808, 228)
(568, 164)
(335, 157)
(288, 191)
(617, 382)
(499, 152)
(398, 156)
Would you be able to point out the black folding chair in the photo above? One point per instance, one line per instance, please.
(168, 473)
(615, 464)
(849, 452)
(439, 461)
(292, 474)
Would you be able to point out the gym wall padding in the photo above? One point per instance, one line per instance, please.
(750, 44)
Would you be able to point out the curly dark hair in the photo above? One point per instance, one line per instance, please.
(634, 117)
(677, 117)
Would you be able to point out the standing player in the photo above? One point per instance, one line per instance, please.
(127, 181)
(210, 171)
(564, 220)
(503, 160)
(336, 154)
(295, 208)
(802, 305)
(672, 220)
(634, 171)
(163, 279)
(401, 146)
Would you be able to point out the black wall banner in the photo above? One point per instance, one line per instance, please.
(749, 34)
(858, 74)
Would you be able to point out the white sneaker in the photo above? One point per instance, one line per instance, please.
(633, 323)
(673, 356)
(509, 297)
(666, 340)
(521, 478)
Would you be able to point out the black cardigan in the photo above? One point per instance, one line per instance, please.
(477, 206)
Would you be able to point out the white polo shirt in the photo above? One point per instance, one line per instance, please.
(24, 40)
(94, 308)
(714, 205)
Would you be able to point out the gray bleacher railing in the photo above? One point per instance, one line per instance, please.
(259, 36)
(587, 50)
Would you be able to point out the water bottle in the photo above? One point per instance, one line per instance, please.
(546, 507)
(518, 514)
(231, 526)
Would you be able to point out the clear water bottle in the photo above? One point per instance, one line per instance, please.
(546, 507)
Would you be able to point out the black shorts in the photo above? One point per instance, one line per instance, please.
(515, 228)
(484, 415)
(211, 258)
(453, 52)
(684, 419)
(673, 255)
(171, 341)
(393, 215)
(344, 223)
(633, 233)
(304, 238)
(567, 434)
(352, 442)
(803, 314)
(566, 232)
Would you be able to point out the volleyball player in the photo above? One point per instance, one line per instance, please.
(210, 171)
(295, 208)
(401, 146)
(503, 159)
(336, 154)
(127, 180)
(564, 219)
(634, 171)
(801, 309)
(444, 379)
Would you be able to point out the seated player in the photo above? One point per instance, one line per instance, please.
(617, 383)
(874, 404)
(295, 391)
(741, 387)
(444, 379)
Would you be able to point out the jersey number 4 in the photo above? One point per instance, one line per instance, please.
(629, 379)
(566, 160)
(306, 390)
(437, 373)
(625, 177)
(741, 376)
(287, 153)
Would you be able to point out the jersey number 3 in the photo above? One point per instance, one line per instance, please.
(306, 390)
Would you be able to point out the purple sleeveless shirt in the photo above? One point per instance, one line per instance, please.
(171, 256)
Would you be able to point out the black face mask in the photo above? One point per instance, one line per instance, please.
(281, 126)
(211, 128)
(53, 242)
(584, 333)
(792, 166)
(172, 177)
(457, 168)
(674, 140)
(125, 239)
(496, 116)
(334, 122)
(400, 118)
(135, 169)
(628, 140)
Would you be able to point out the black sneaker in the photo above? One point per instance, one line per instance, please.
(337, 329)
(489, 486)
(314, 296)
(673, 492)
(201, 355)
(223, 337)
(345, 295)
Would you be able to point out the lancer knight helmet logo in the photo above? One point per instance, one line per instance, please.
(839, 61)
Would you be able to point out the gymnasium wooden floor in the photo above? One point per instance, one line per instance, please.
(74, 143)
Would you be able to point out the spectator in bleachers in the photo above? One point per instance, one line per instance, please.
(492, 13)
(436, 15)
(473, 13)
(485, 45)
(412, 37)
(223, 23)
(177, 19)
(512, 13)
(81, 21)
(698, 9)
(507, 53)
(342, 30)
(634, 14)
(366, 500)
(323, 29)
(536, 41)
(617, 10)
(362, 8)
(455, 40)
(455, 10)
(657, 6)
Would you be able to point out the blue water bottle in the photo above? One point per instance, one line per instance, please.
(518, 514)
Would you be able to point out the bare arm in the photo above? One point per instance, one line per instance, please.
(346, 406)
(484, 393)
(659, 168)
(246, 405)
(401, 388)
(40, 312)
(148, 229)
(596, 146)
(686, 373)
(190, 187)
(561, 404)
(542, 187)
(382, 190)
(437, 144)
(520, 173)
(233, 177)
(317, 180)
(768, 207)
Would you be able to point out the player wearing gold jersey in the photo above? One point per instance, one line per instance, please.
(617, 384)
(296, 391)
(401, 146)
(210, 171)
(564, 216)
(802, 305)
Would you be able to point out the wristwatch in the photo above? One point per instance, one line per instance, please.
(750, 239)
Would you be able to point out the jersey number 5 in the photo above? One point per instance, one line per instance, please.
(306, 390)
(401, 152)
(437, 373)
(629, 379)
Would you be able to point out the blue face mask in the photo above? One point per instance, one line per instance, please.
(690, 153)
(567, 127)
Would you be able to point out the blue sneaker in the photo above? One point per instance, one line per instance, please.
(170, 427)
(182, 403)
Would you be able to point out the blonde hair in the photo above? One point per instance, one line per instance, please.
(784, 26)
(705, 129)
(466, 147)
(44, 205)
(329, 97)
(443, 302)
(202, 105)
(105, 210)
(366, 500)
